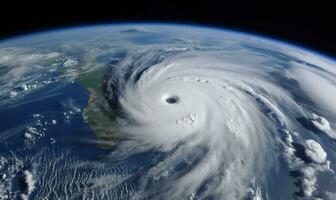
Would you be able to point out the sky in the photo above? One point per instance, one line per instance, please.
(307, 24)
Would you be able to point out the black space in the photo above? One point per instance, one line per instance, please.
(309, 24)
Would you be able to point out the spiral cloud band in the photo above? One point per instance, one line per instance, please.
(221, 120)
(166, 112)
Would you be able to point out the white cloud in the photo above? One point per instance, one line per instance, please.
(20, 61)
(319, 88)
(29, 178)
(314, 151)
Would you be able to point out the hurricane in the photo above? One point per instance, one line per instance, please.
(223, 119)
(235, 117)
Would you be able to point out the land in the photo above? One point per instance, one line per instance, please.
(98, 113)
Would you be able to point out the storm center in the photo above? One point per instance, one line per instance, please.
(172, 100)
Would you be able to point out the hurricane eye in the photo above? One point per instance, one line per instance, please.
(172, 100)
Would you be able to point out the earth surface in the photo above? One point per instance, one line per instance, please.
(153, 111)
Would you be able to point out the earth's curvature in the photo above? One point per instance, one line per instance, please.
(152, 111)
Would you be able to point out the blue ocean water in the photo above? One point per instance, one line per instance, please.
(42, 130)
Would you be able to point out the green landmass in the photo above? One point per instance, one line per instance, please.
(98, 113)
